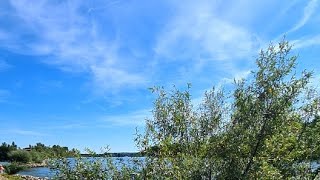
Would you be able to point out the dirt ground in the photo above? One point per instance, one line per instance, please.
(2, 178)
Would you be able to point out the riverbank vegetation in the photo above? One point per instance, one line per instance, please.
(266, 128)
(9, 177)
(33, 153)
(32, 156)
(14, 168)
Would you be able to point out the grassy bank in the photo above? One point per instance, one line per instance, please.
(9, 177)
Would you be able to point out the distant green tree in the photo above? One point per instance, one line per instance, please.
(51, 152)
(36, 153)
(5, 149)
(39, 147)
(13, 146)
(20, 156)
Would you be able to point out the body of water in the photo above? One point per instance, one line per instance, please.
(47, 172)
(4, 163)
(38, 172)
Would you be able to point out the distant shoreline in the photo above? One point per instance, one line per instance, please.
(119, 154)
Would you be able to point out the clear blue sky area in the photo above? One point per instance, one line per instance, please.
(77, 73)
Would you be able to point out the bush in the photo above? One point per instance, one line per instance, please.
(13, 168)
(36, 157)
(20, 156)
(267, 129)
(94, 167)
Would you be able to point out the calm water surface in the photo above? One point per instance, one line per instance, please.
(47, 172)
(39, 172)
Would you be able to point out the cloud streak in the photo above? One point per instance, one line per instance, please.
(197, 32)
(23, 132)
(136, 118)
(306, 42)
(308, 11)
(72, 41)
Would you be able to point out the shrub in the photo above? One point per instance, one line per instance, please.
(20, 156)
(92, 167)
(268, 128)
(13, 168)
(36, 157)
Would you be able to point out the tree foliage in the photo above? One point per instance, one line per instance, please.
(92, 168)
(20, 156)
(268, 128)
(5, 149)
(34, 153)
(13, 168)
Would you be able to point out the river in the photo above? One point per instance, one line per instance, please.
(47, 172)
(38, 172)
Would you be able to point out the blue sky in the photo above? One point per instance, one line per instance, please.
(77, 73)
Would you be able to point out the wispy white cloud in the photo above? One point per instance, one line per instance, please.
(114, 78)
(196, 32)
(65, 126)
(22, 132)
(237, 77)
(308, 11)
(306, 42)
(27, 133)
(74, 40)
(136, 118)
(106, 4)
(71, 38)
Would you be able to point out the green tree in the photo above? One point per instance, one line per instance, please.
(268, 129)
(5, 149)
(20, 156)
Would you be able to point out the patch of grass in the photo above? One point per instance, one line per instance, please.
(11, 177)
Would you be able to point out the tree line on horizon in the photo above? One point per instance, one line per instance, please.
(33, 153)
